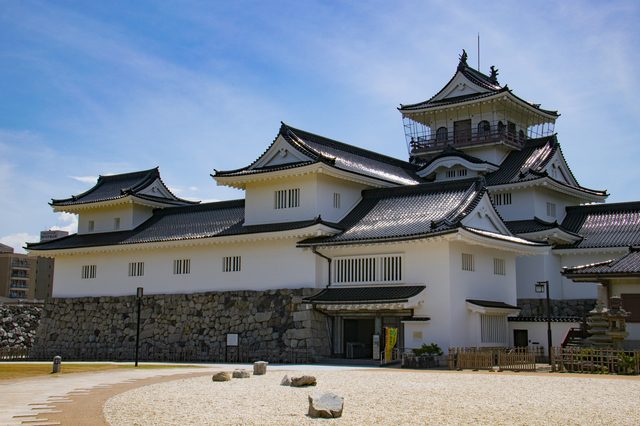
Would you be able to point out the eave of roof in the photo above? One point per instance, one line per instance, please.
(114, 187)
(365, 295)
(626, 266)
(336, 154)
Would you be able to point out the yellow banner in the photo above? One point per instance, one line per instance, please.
(392, 338)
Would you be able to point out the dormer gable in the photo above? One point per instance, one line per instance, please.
(454, 164)
(460, 85)
(558, 169)
(279, 153)
(485, 217)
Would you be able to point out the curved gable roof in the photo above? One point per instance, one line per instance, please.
(112, 187)
(336, 154)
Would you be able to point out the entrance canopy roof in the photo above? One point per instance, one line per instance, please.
(398, 297)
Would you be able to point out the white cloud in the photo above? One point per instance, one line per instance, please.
(17, 241)
(85, 179)
(66, 222)
(193, 188)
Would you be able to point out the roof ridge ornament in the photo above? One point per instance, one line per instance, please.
(494, 75)
(463, 61)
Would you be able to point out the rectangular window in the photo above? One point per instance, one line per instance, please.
(136, 269)
(493, 329)
(462, 172)
(551, 210)
(467, 262)
(90, 226)
(499, 267)
(231, 264)
(336, 200)
(287, 198)
(451, 173)
(88, 271)
(502, 199)
(369, 269)
(116, 223)
(182, 266)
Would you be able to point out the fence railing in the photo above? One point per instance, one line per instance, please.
(593, 360)
(515, 359)
(175, 354)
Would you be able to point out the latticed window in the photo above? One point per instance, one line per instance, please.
(493, 329)
(88, 271)
(287, 198)
(336, 200)
(502, 199)
(551, 209)
(499, 267)
(136, 269)
(231, 264)
(368, 269)
(182, 266)
(468, 262)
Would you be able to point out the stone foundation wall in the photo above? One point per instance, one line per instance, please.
(559, 308)
(273, 319)
(18, 325)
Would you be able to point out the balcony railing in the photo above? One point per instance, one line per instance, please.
(19, 264)
(19, 275)
(468, 138)
(18, 284)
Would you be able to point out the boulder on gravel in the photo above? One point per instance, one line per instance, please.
(260, 368)
(240, 373)
(303, 381)
(325, 405)
(285, 381)
(222, 376)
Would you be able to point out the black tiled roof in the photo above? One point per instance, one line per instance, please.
(491, 304)
(491, 85)
(365, 295)
(339, 155)
(604, 225)
(533, 225)
(528, 164)
(629, 264)
(450, 151)
(407, 212)
(218, 219)
(119, 186)
(544, 319)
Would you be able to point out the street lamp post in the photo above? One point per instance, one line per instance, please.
(540, 288)
(139, 297)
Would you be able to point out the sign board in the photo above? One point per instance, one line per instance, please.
(376, 346)
(232, 340)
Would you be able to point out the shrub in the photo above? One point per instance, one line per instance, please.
(432, 349)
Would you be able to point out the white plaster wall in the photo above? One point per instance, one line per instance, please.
(545, 195)
(531, 269)
(493, 154)
(522, 204)
(350, 194)
(538, 332)
(480, 284)
(130, 214)
(272, 264)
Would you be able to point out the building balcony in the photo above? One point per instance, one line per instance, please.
(18, 284)
(20, 264)
(17, 295)
(19, 275)
(426, 144)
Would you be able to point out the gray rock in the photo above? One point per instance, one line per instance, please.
(240, 373)
(260, 368)
(285, 381)
(325, 405)
(303, 381)
(222, 376)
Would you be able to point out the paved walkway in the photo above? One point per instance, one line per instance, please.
(77, 399)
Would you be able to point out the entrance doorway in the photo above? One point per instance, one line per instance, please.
(520, 338)
(358, 337)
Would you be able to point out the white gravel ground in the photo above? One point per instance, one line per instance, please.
(385, 398)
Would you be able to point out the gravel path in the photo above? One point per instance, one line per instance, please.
(385, 397)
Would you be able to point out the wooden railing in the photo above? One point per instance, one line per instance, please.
(426, 144)
(593, 360)
(515, 359)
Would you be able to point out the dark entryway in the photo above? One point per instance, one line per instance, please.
(359, 333)
(520, 338)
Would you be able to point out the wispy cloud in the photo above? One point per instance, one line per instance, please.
(85, 179)
(17, 241)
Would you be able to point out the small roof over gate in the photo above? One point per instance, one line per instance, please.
(365, 295)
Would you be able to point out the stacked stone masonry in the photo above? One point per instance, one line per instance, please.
(272, 319)
(18, 325)
(559, 308)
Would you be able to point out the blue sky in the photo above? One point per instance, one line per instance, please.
(105, 87)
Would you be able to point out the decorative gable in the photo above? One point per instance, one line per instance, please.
(484, 216)
(558, 169)
(460, 85)
(279, 153)
(157, 189)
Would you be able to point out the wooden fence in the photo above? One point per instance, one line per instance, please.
(515, 359)
(592, 360)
